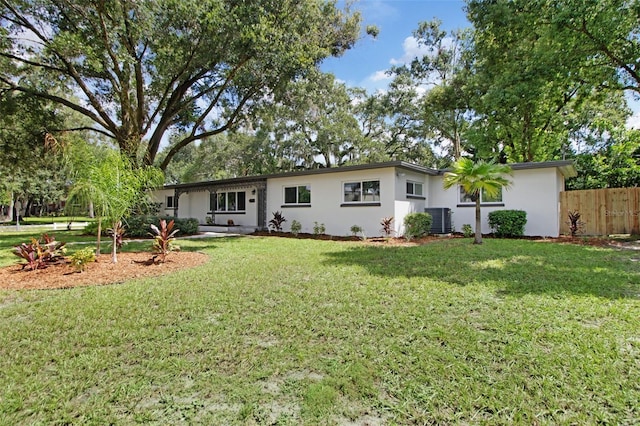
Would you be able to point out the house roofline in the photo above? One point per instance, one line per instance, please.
(262, 178)
(566, 167)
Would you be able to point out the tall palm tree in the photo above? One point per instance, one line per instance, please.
(476, 178)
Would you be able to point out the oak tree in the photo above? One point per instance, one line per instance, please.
(141, 68)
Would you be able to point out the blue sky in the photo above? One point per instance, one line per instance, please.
(364, 64)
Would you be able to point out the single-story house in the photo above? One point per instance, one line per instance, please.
(364, 194)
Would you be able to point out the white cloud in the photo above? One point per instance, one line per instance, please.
(380, 76)
(375, 82)
(633, 122)
(411, 50)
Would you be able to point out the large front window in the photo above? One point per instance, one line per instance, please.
(362, 192)
(229, 201)
(484, 197)
(300, 194)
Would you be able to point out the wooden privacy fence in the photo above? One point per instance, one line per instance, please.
(603, 211)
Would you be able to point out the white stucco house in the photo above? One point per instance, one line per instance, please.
(364, 194)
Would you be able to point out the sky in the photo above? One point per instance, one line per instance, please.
(365, 64)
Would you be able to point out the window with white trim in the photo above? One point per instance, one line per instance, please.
(361, 192)
(484, 197)
(169, 202)
(414, 188)
(300, 194)
(233, 201)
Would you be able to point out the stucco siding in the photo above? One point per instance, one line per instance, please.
(534, 191)
(160, 196)
(327, 204)
(409, 203)
(247, 218)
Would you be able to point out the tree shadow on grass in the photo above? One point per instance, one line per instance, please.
(513, 267)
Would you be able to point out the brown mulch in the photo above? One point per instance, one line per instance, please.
(400, 241)
(101, 272)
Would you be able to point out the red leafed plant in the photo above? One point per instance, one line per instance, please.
(387, 226)
(40, 252)
(164, 240)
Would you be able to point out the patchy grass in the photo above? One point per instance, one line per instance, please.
(286, 331)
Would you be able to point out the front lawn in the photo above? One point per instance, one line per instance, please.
(286, 331)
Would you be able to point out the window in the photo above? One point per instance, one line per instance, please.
(362, 192)
(414, 188)
(228, 201)
(169, 204)
(484, 197)
(297, 194)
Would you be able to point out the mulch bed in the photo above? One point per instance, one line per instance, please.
(101, 272)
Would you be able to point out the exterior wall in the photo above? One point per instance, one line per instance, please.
(160, 196)
(247, 218)
(406, 204)
(535, 191)
(195, 204)
(327, 198)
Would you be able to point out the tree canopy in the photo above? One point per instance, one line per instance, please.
(141, 68)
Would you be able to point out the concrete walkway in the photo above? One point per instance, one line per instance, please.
(56, 226)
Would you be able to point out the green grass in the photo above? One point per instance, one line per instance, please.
(284, 331)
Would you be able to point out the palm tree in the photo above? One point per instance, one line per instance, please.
(113, 187)
(476, 178)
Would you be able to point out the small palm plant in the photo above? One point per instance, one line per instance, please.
(164, 240)
(476, 178)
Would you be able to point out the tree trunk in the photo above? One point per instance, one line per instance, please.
(478, 237)
(11, 209)
(114, 246)
(27, 210)
(99, 233)
(91, 213)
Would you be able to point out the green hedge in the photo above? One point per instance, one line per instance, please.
(508, 223)
(139, 226)
(417, 225)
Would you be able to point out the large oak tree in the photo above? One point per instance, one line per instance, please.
(140, 68)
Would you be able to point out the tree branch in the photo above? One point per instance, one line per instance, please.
(230, 122)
